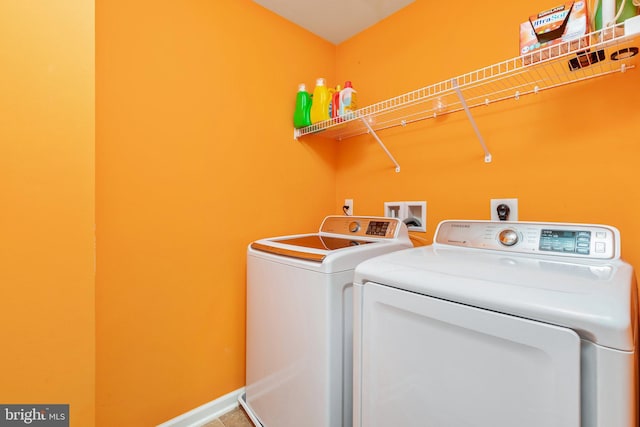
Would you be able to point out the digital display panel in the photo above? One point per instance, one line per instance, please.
(567, 241)
(377, 228)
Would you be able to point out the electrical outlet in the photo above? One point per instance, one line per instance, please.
(349, 204)
(513, 209)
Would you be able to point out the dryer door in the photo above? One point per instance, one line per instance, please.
(434, 363)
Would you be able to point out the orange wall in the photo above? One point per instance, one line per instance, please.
(195, 158)
(569, 154)
(47, 193)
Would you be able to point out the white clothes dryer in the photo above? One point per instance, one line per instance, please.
(299, 320)
(498, 325)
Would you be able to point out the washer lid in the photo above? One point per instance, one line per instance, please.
(317, 241)
(341, 243)
(299, 246)
(596, 298)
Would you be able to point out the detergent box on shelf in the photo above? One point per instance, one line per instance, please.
(544, 34)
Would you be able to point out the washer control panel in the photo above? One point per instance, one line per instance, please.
(362, 226)
(557, 239)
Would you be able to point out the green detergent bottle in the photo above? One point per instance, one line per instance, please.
(302, 114)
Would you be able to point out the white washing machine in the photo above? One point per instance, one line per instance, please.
(498, 325)
(299, 320)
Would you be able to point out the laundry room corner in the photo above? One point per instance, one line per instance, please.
(150, 152)
(195, 158)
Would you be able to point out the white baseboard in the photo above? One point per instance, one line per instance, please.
(207, 412)
(243, 402)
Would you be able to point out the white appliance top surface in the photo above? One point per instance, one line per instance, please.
(341, 243)
(594, 297)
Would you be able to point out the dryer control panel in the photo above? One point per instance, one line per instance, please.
(544, 238)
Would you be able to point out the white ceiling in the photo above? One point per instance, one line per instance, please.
(334, 20)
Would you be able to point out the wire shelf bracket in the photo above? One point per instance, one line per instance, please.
(377, 138)
(463, 102)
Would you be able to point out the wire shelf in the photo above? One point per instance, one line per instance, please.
(596, 54)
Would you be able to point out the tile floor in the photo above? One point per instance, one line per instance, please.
(235, 418)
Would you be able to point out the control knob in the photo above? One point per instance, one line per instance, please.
(354, 226)
(508, 237)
